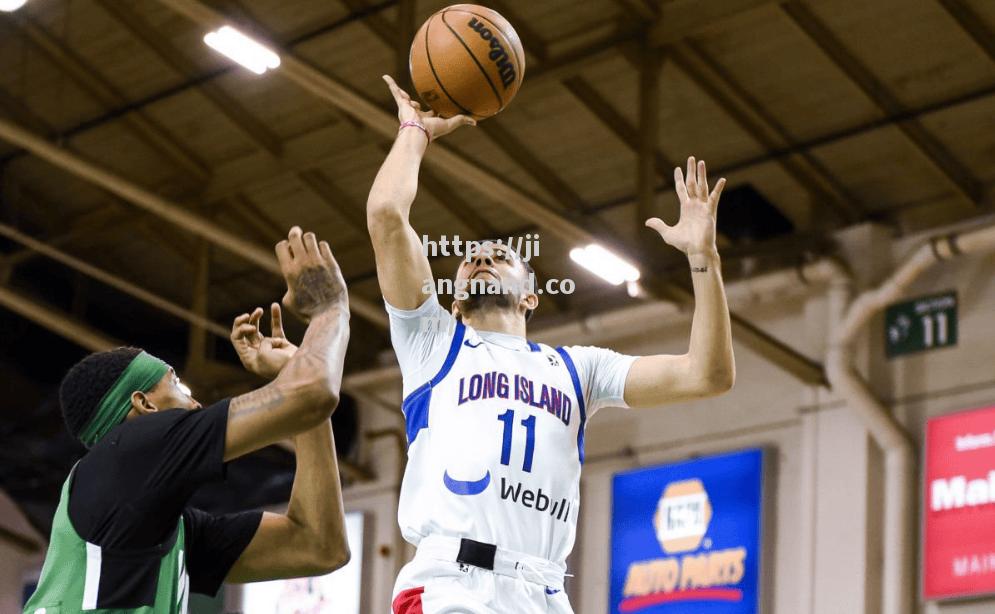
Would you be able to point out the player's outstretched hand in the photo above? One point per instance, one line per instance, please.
(314, 280)
(410, 110)
(694, 232)
(262, 355)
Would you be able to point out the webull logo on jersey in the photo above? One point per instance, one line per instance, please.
(681, 521)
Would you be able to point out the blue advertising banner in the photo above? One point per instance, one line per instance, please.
(686, 537)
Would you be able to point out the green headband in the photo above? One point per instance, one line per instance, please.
(141, 375)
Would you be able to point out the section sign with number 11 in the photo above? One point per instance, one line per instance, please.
(924, 323)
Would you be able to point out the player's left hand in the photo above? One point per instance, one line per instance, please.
(694, 232)
(264, 356)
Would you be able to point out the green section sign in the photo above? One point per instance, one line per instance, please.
(924, 323)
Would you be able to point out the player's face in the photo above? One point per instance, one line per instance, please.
(170, 394)
(495, 264)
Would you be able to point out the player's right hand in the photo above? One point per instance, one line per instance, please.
(314, 280)
(262, 355)
(410, 110)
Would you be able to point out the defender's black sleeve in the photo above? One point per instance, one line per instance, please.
(130, 489)
(213, 545)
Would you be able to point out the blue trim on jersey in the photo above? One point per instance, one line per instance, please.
(534, 346)
(580, 400)
(415, 405)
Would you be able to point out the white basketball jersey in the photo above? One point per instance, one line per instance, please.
(495, 447)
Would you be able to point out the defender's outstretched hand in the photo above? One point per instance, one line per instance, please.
(409, 110)
(314, 280)
(694, 232)
(262, 355)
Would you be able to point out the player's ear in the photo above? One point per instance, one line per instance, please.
(530, 301)
(141, 404)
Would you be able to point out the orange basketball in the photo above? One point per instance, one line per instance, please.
(467, 59)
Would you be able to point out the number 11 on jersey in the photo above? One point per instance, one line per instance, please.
(508, 418)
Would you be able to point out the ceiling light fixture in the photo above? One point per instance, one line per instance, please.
(230, 42)
(9, 6)
(604, 264)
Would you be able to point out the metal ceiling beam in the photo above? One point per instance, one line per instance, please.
(644, 10)
(178, 60)
(250, 126)
(608, 115)
(973, 24)
(56, 321)
(384, 123)
(451, 162)
(751, 115)
(114, 281)
(165, 209)
(20, 113)
(680, 19)
(959, 177)
(146, 129)
(325, 189)
(533, 166)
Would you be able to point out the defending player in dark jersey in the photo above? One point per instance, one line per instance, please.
(124, 538)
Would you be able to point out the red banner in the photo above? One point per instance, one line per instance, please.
(959, 511)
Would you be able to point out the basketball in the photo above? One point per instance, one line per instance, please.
(467, 59)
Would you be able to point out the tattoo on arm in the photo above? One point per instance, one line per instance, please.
(315, 288)
(265, 398)
(699, 269)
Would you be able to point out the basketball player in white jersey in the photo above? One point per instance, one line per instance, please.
(495, 423)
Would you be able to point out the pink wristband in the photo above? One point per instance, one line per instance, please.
(413, 124)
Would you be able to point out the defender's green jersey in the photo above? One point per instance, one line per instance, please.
(82, 577)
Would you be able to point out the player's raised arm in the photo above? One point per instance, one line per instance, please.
(306, 390)
(708, 368)
(402, 266)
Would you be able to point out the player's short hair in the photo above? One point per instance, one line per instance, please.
(86, 383)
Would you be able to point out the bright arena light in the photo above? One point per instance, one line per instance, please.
(9, 6)
(604, 264)
(239, 47)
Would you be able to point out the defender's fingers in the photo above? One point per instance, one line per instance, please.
(311, 244)
(276, 321)
(283, 254)
(296, 242)
(243, 332)
(257, 315)
(326, 251)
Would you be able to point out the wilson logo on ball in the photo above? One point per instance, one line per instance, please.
(498, 54)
